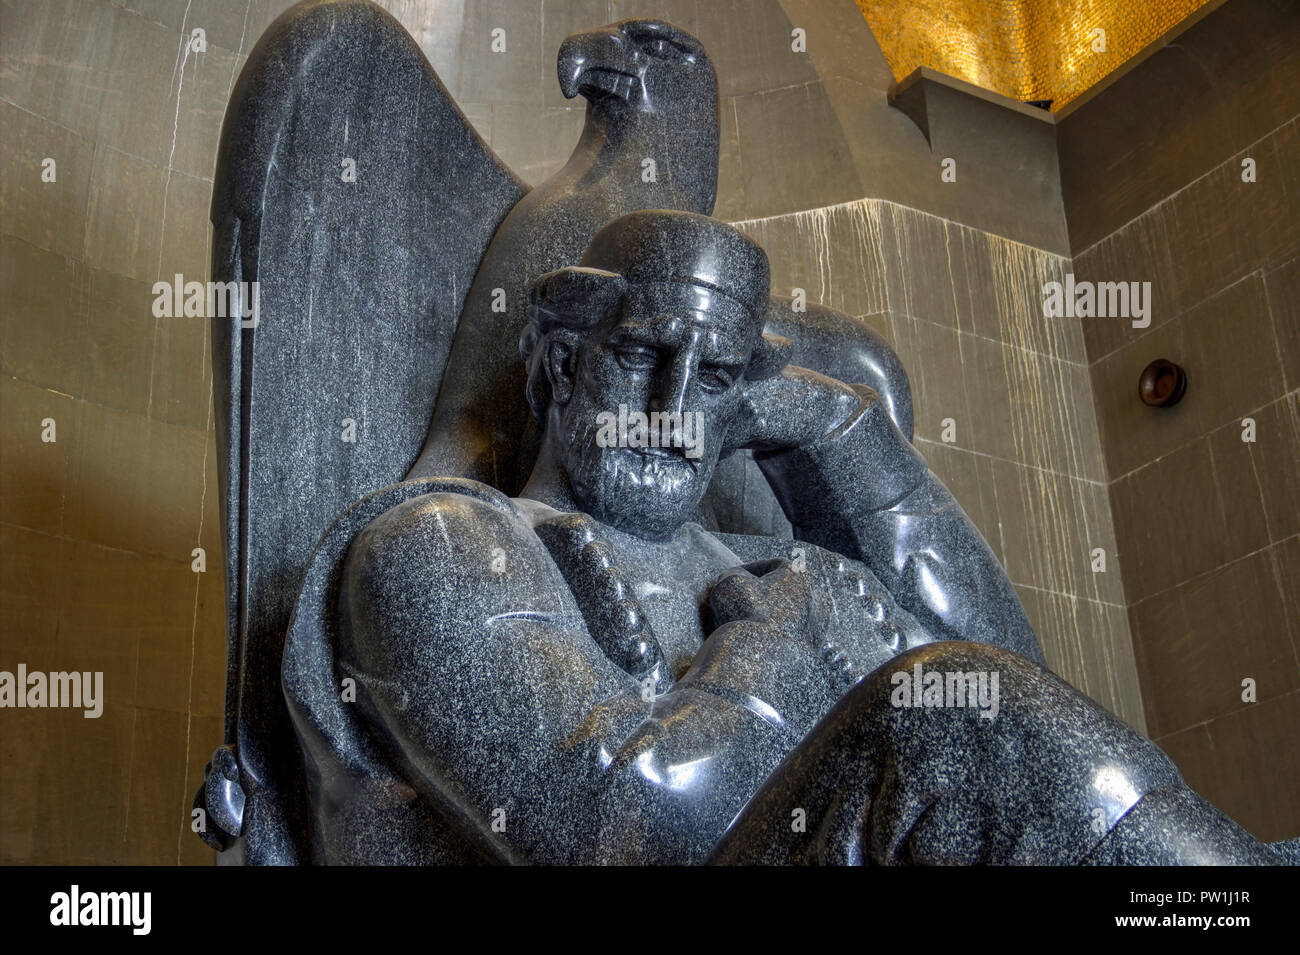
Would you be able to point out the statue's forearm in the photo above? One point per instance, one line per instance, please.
(675, 771)
(771, 671)
(865, 492)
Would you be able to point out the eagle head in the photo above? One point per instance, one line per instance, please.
(648, 65)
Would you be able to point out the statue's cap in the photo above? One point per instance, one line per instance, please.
(662, 246)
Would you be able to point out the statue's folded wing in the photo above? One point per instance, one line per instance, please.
(357, 196)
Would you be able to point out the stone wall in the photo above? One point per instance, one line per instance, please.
(1208, 524)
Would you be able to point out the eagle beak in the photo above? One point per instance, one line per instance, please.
(572, 61)
(592, 63)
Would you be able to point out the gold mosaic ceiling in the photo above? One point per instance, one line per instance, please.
(1024, 49)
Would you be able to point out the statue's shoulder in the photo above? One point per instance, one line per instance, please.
(446, 578)
(458, 550)
(442, 518)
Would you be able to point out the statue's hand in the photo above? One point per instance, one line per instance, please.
(771, 642)
(770, 592)
(781, 597)
(791, 410)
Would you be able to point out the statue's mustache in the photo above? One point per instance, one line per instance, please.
(664, 468)
(671, 456)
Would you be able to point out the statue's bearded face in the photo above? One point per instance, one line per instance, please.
(654, 391)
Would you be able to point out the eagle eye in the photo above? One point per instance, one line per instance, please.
(658, 44)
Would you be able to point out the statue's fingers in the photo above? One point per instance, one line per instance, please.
(604, 596)
(788, 595)
(737, 595)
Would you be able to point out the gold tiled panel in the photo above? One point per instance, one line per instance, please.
(1025, 49)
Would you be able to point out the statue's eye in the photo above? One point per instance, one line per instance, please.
(637, 357)
(661, 47)
(716, 378)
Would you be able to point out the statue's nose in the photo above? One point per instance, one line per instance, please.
(672, 393)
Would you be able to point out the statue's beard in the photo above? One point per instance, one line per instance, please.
(647, 492)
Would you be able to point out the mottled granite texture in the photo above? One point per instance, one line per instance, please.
(584, 672)
(363, 280)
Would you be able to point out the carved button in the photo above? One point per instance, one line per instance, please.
(891, 636)
(874, 607)
(857, 583)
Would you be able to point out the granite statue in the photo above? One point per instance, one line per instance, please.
(353, 193)
(491, 609)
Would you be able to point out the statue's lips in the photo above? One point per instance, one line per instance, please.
(657, 460)
(668, 454)
(599, 82)
(664, 460)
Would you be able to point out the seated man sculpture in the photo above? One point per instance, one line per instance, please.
(584, 674)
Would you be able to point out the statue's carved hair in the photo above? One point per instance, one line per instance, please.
(568, 302)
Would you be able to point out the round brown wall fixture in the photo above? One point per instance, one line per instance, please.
(1162, 384)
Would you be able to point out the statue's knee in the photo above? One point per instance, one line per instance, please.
(965, 673)
(955, 654)
(961, 675)
(987, 743)
(983, 704)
